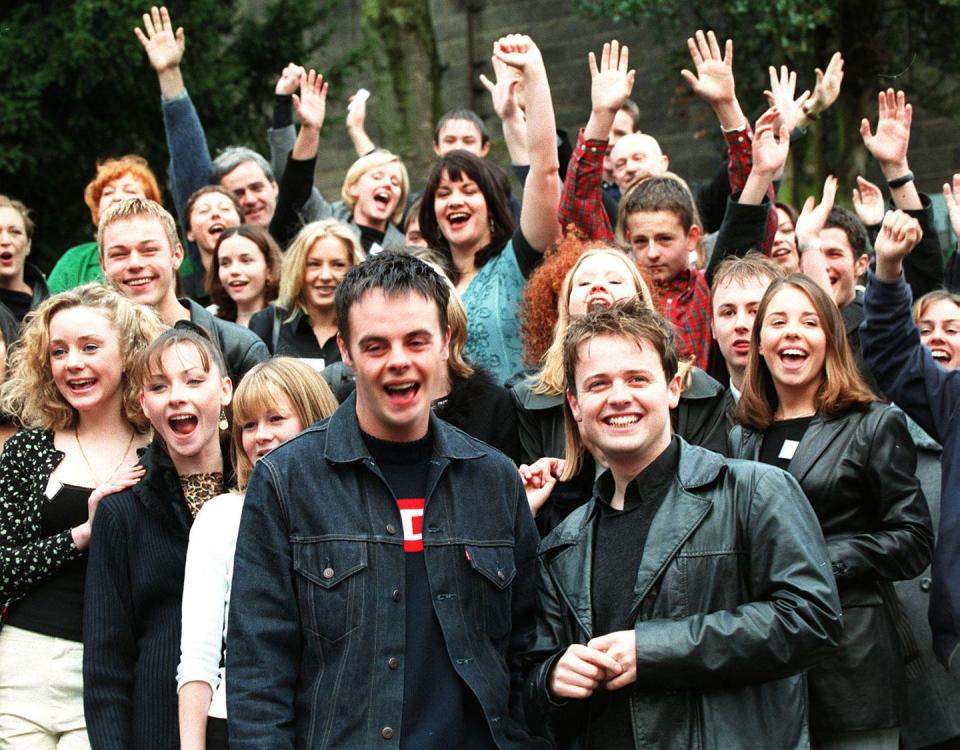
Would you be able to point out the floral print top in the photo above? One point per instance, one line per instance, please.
(26, 559)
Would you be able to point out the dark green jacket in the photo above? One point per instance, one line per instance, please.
(733, 598)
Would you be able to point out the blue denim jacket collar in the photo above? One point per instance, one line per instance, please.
(349, 446)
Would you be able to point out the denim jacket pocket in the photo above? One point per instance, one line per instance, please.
(496, 569)
(329, 586)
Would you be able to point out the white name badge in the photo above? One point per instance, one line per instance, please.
(788, 449)
(317, 363)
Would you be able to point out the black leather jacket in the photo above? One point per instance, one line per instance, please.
(241, 347)
(858, 471)
(733, 599)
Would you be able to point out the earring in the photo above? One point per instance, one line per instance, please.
(492, 227)
(223, 424)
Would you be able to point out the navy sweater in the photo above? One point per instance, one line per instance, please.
(930, 394)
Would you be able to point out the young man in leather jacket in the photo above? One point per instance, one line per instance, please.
(383, 585)
(677, 608)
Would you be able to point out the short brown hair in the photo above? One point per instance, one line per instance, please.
(751, 266)
(206, 190)
(666, 192)
(134, 208)
(842, 388)
(629, 319)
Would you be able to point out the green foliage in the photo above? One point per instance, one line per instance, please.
(77, 88)
(885, 43)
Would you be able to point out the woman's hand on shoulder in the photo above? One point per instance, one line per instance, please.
(123, 478)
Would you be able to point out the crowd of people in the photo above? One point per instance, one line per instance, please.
(623, 462)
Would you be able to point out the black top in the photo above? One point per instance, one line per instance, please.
(619, 540)
(294, 337)
(17, 302)
(370, 237)
(55, 607)
(781, 439)
(439, 710)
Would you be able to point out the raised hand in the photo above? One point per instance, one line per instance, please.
(289, 80)
(868, 202)
(539, 479)
(121, 480)
(163, 46)
(771, 144)
(827, 90)
(781, 93)
(951, 196)
(580, 671)
(612, 80)
(713, 81)
(311, 105)
(890, 143)
(899, 234)
(813, 216)
(503, 92)
(519, 51)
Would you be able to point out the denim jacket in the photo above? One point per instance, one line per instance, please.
(317, 611)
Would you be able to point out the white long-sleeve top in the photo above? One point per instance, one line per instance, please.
(206, 597)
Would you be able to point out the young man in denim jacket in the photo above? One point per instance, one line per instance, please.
(383, 585)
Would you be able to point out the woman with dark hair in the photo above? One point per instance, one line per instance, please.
(209, 212)
(134, 584)
(244, 275)
(69, 386)
(467, 216)
(806, 409)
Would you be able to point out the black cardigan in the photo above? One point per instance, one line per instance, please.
(132, 604)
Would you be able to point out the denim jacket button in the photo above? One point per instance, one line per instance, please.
(391, 529)
(387, 733)
(393, 662)
(396, 595)
(328, 573)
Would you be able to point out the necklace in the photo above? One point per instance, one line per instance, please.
(93, 474)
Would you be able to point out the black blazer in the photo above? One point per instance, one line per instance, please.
(858, 471)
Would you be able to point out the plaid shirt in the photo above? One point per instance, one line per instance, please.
(581, 202)
(685, 302)
(739, 164)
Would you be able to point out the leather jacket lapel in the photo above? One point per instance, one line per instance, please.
(817, 439)
(576, 556)
(678, 517)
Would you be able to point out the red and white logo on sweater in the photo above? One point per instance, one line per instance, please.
(411, 513)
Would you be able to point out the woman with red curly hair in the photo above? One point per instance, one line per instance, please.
(579, 276)
(116, 179)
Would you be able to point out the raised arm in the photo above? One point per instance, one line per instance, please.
(503, 96)
(297, 182)
(541, 192)
(812, 219)
(746, 218)
(581, 202)
(281, 134)
(190, 164)
(356, 123)
(713, 81)
(800, 111)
